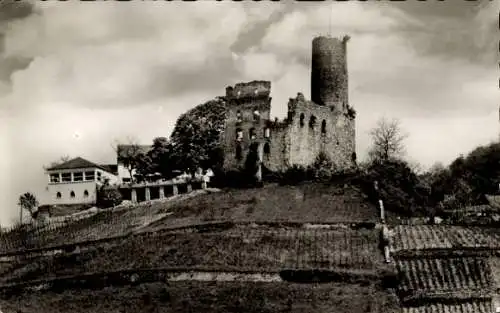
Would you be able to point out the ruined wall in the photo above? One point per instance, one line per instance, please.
(329, 77)
(277, 158)
(297, 140)
(309, 137)
(242, 101)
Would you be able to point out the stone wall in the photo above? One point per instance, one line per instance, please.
(308, 139)
(278, 157)
(296, 140)
(253, 96)
(256, 88)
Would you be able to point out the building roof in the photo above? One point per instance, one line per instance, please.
(111, 168)
(79, 162)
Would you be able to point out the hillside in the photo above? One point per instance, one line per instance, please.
(273, 204)
(315, 246)
(212, 244)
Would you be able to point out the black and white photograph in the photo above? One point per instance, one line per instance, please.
(221, 156)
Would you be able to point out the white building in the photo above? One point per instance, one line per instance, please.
(76, 181)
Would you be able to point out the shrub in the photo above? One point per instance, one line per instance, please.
(322, 169)
(231, 179)
(399, 187)
(108, 196)
(294, 175)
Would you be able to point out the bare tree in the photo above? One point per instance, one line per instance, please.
(437, 167)
(129, 154)
(416, 167)
(388, 140)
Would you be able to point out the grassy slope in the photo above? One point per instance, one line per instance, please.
(312, 202)
(208, 297)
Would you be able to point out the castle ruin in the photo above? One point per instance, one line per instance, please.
(324, 124)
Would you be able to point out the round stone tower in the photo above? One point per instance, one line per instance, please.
(329, 72)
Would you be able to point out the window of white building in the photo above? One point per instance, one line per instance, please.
(54, 178)
(90, 176)
(78, 176)
(66, 177)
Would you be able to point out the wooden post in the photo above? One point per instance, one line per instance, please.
(162, 192)
(147, 194)
(382, 211)
(175, 190)
(134, 195)
(380, 202)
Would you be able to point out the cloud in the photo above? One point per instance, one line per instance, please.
(125, 54)
(11, 11)
(465, 31)
(74, 82)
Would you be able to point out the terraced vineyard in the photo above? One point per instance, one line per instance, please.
(242, 249)
(444, 237)
(104, 224)
(430, 275)
(475, 306)
(216, 297)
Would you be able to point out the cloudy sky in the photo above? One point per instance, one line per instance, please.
(75, 76)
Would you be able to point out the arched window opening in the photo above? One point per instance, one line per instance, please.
(312, 122)
(85, 193)
(267, 133)
(72, 194)
(252, 133)
(239, 134)
(302, 117)
(256, 115)
(58, 195)
(267, 148)
(239, 152)
(323, 127)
